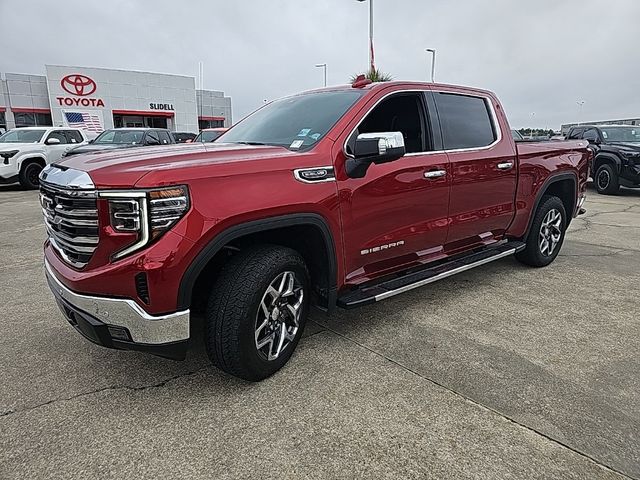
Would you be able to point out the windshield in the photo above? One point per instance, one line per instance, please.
(296, 123)
(22, 135)
(621, 134)
(119, 137)
(209, 136)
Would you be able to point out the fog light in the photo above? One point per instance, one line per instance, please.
(119, 333)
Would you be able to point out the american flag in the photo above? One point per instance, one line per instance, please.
(85, 120)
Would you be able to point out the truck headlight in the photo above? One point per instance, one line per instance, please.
(145, 214)
(7, 155)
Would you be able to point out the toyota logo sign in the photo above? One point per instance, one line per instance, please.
(77, 84)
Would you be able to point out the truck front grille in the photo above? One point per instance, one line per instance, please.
(71, 218)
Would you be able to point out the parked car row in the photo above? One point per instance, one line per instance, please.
(25, 151)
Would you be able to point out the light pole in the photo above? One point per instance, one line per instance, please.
(533, 116)
(433, 63)
(372, 62)
(324, 67)
(580, 105)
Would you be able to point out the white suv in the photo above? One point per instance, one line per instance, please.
(25, 151)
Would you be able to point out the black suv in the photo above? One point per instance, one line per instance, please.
(125, 138)
(616, 158)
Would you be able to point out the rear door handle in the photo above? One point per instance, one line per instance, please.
(435, 174)
(505, 166)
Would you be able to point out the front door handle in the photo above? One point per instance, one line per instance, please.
(505, 166)
(435, 174)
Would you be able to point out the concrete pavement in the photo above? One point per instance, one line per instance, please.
(500, 372)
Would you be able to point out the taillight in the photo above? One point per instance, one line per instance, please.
(145, 214)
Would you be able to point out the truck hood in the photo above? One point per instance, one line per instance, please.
(91, 148)
(124, 168)
(7, 147)
(627, 146)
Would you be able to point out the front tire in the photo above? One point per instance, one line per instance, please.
(606, 180)
(546, 235)
(257, 311)
(29, 176)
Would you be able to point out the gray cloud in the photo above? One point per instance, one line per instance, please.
(539, 57)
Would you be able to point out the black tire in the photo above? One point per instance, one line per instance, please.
(235, 304)
(533, 254)
(606, 180)
(29, 175)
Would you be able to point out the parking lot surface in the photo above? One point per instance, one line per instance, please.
(501, 372)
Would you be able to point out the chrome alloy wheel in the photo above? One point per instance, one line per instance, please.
(278, 317)
(550, 232)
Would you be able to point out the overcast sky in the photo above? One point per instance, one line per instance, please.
(541, 60)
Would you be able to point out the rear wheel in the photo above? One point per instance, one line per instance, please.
(30, 175)
(257, 311)
(606, 180)
(546, 235)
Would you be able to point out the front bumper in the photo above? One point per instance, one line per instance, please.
(121, 323)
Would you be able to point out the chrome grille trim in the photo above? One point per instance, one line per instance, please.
(70, 215)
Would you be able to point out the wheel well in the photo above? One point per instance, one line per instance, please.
(40, 161)
(565, 190)
(601, 160)
(307, 240)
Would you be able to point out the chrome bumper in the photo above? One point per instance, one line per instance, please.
(143, 328)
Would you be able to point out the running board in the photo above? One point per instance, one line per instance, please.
(395, 286)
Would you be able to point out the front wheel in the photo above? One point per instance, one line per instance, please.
(606, 180)
(257, 311)
(30, 175)
(546, 235)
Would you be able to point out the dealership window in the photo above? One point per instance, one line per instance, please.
(3, 123)
(32, 119)
(136, 121)
(202, 124)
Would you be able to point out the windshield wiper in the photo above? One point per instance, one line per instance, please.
(250, 143)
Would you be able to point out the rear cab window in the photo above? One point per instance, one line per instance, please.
(466, 121)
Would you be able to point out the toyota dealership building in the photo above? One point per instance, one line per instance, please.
(100, 98)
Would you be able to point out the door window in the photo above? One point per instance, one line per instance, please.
(465, 121)
(399, 113)
(591, 135)
(164, 137)
(73, 136)
(152, 138)
(575, 134)
(59, 134)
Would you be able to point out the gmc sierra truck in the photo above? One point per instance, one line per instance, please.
(338, 197)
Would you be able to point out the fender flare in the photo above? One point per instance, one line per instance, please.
(615, 159)
(188, 281)
(554, 178)
(28, 157)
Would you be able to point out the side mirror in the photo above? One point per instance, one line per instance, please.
(375, 148)
(53, 141)
(593, 141)
(92, 140)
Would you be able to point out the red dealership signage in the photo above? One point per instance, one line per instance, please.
(77, 84)
(82, 86)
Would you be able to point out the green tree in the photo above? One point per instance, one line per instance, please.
(374, 75)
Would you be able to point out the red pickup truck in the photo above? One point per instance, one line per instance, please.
(337, 197)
